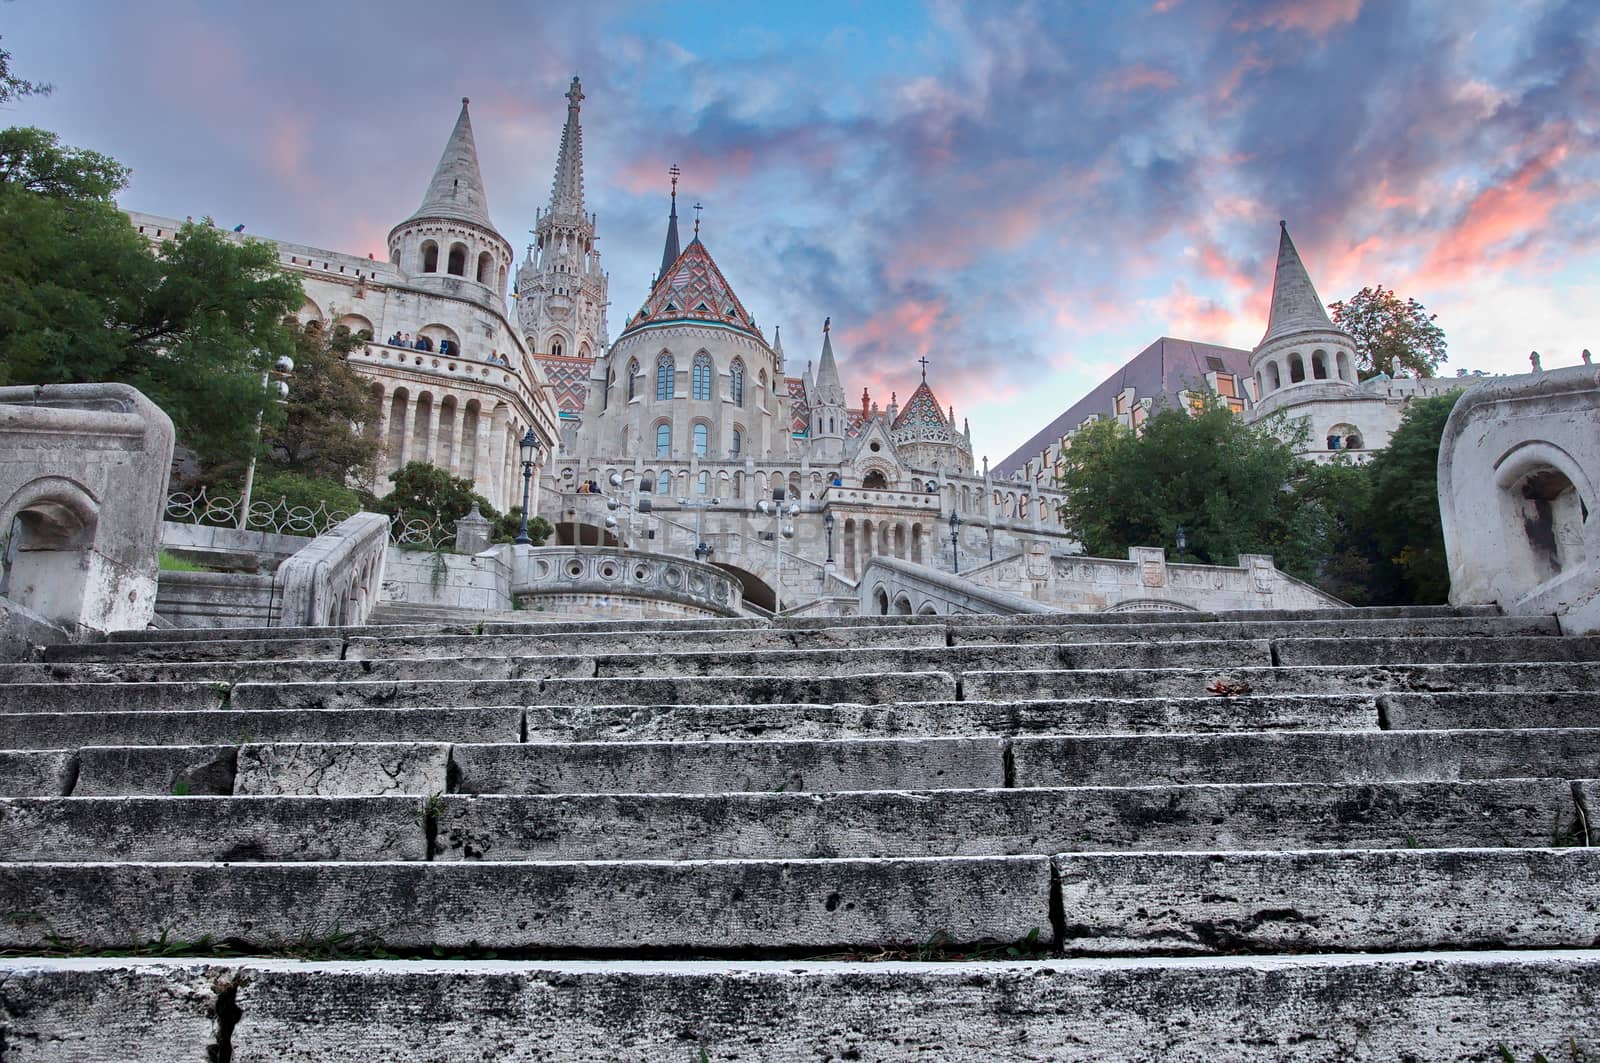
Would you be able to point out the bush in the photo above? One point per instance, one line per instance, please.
(506, 527)
(430, 494)
(308, 491)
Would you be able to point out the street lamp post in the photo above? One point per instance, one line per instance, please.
(827, 525)
(1182, 541)
(780, 532)
(702, 549)
(529, 448)
(634, 507)
(281, 368)
(955, 542)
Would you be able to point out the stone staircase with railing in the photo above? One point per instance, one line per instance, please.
(1337, 835)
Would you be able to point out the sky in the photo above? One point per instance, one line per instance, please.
(1026, 194)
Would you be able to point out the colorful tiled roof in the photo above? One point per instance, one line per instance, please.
(693, 289)
(921, 418)
(799, 407)
(569, 379)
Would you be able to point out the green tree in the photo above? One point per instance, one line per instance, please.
(1405, 501)
(505, 529)
(329, 424)
(13, 87)
(1386, 327)
(83, 298)
(428, 493)
(1231, 486)
(293, 489)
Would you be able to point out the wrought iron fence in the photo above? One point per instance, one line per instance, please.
(280, 518)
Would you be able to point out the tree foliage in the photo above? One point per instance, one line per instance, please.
(13, 87)
(83, 298)
(1385, 327)
(1228, 484)
(328, 427)
(1405, 502)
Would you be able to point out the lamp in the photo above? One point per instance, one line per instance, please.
(1182, 540)
(955, 542)
(529, 448)
(827, 524)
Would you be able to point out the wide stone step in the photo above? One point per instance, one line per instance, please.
(53, 730)
(429, 646)
(1356, 650)
(1434, 1005)
(1371, 900)
(297, 671)
(950, 719)
(568, 907)
(480, 627)
(1475, 708)
(997, 822)
(962, 633)
(1247, 681)
(1512, 813)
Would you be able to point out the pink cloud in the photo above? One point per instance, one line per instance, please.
(1499, 224)
(1312, 17)
(1139, 76)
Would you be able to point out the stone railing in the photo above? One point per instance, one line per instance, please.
(1519, 471)
(609, 574)
(337, 579)
(892, 587)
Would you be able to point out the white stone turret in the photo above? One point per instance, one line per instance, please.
(449, 244)
(1301, 345)
(561, 289)
(829, 418)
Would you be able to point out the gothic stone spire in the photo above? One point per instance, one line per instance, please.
(566, 194)
(669, 254)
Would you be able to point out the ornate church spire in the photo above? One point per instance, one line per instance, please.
(456, 191)
(1295, 306)
(669, 254)
(566, 194)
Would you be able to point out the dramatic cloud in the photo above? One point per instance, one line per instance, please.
(1025, 193)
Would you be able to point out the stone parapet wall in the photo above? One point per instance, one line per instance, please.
(424, 577)
(214, 599)
(892, 587)
(627, 582)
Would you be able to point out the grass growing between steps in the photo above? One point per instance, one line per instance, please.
(173, 563)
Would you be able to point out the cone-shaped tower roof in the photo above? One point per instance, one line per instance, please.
(1295, 306)
(829, 387)
(456, 191)
(566, 193)
(693, 289)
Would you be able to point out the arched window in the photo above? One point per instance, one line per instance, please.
(605, 396)
(557, 348)
(1274, 381)
(1297, 368)
(664, 484)
(458, 260)
(485, 268)
(875, 479)
(664, 371)
(633, 377)
(1319, 365)
(663, 441)
(702, 440)
(736, 383)
(702, 374)
(703, 485)
(738, 443)
(430, 257)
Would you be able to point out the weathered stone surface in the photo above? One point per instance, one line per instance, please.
(1368, 900)
(999, 822)
(309, 649)
(68, 730)
(704, 907)
(1434, 650)
(294, 671)
(111, 697)
(1503, 708)
(212, 828)
(1258, 1009)
(1316, 757)
(95, 1011)
(1318, 679)
(182, 771)
(343, 768)
(1090, 629)
(37, 773)
(726, 767)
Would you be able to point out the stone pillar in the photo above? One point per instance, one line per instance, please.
(472, 532)
(455, 439)
(407, 448)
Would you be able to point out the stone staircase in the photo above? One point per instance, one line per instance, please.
(1334, 835)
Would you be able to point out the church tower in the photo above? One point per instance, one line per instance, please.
(561, 289)
(449, 245)
(829, 420)
(1301, 345)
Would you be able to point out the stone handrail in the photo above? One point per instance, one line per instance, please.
(889, 586)
(337, 579)
(618, 573)
(1519, 496)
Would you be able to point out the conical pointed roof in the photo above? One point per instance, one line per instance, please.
(566, 192)
(829, 387)
(922, 418)
(1295, 306)
(456, 191)
(693, 289)
(670, 253)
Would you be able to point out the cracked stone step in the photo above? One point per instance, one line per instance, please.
(725, 767)
(598, 723)
(1023, 684)
(1455, 1006)
(63, 730)
(239, 829)
(217, 649)
(37, 772)
(1303, 756)
(963, 634)
(340, 769)
(112, 697)
(861, 688)
(1383, 612)
(294, 671)
(1478, 708)
(442, 628)
(1433, 650)
(591, 907)
(1505, 813)
(1367, 900)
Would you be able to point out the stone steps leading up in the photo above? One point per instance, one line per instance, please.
(1089, 811)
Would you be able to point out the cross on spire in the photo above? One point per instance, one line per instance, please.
(675, 172)
(923, 361)
(697, 209)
